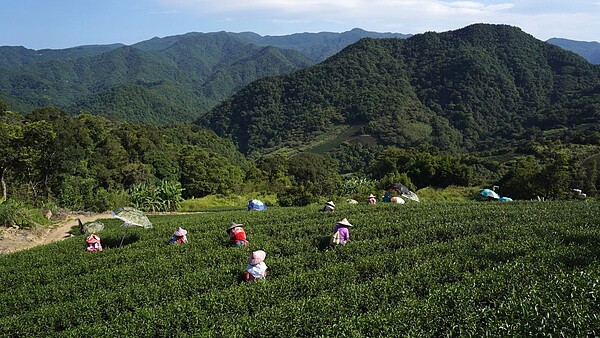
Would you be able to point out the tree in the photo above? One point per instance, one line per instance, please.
(312, 176)
(204, 173)
(11, 134)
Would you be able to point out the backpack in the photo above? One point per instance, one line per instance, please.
(335, 238)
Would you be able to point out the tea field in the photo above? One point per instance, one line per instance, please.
(414, 270)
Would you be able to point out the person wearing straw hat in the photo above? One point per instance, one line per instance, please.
(341, 233)
(256, 268)
(372, 199)
(93, 243)
(237, 235)
(179, 237)
(329, 207)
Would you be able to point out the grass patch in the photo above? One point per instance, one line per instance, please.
(222, 202)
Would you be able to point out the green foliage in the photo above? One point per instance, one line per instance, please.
(232, 201)
(16, 213)
(87, 162)
(204, 173)
(164, 196)
(427, 270)
(357, 188)
(175, 82)
(449, 194)
(499, 84)
(423, 166)
(312, 176)
(78, 193)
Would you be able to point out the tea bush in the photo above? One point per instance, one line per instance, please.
(437, 269)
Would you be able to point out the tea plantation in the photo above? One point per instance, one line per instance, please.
(430, 269)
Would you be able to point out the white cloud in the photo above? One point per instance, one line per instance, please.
(543, 20)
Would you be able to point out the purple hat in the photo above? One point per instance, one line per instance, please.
(257, 257)
(180, 232)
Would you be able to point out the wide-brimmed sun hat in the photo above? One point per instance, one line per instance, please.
(371, 196)
(180, 232)
(257, 257)
(330, 203)
(345, 222)
(93, 238)
(234, 225)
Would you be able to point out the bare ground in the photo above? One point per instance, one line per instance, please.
(12, 239)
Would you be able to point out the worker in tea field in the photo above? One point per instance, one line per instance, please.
(93, 243)
(341, 234)
(237, 235)
(372, 199)
(329, 207)
(179, 237)
(256, 268)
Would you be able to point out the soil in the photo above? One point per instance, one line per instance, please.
(14, 239)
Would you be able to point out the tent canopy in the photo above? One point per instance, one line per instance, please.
(256, 205)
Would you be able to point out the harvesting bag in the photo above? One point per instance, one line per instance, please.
(335, 238)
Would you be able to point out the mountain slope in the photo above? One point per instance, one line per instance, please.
(588, 50)
(200, 69)
(460, 90)
(318, 46)
(15, 56)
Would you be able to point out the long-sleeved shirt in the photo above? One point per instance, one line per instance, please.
(344, 233)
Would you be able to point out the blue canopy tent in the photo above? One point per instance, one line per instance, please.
(256, 205)
(489, 193)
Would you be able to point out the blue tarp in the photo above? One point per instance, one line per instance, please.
(489, 193)
(256, 205)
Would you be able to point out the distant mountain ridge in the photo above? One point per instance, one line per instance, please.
(588, 50)
(461, 90)
(160, 80)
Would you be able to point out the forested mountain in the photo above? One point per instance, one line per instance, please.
(173, 84)
(589, 50)
(15, 56)
(473, 88)
(161, 80)
(317, 46)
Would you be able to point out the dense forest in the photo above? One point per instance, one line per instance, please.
(481, 106)
(139, 84)
(161, 80)
(86, 162)
(463, 90)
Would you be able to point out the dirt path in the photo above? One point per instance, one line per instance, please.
(12, 239)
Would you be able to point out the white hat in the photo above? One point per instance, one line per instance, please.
(345, 222)
(234, 225)
(371, 196)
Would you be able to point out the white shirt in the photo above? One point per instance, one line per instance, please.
(258, 270)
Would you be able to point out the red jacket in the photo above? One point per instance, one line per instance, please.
(237, 234)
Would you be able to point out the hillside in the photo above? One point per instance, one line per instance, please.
(460, 90)
(318, 46)
(588, 50)
(174, 84)
(415, 270)
(160, 80)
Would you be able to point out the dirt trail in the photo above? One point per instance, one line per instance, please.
(12, 240)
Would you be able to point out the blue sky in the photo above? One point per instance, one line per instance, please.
(39, 24)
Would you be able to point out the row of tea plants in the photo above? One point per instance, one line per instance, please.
(437, 269)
